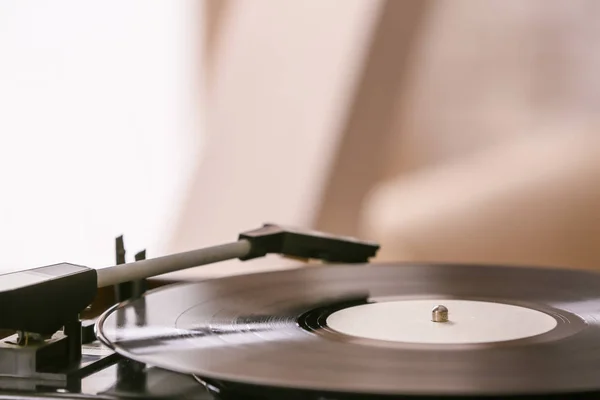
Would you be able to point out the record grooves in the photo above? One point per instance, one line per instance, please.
(269, 333)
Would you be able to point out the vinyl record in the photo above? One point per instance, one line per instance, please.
(439, 330)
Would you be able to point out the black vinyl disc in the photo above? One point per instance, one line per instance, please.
(271, 330)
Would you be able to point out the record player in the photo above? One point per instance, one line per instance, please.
(345, 329)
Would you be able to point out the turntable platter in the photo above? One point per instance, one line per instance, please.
(394, 329)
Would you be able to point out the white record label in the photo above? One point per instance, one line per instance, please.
(410, 321)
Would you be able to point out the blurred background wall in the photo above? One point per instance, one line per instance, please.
(447, 130)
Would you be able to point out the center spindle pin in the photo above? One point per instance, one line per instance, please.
(439, 314)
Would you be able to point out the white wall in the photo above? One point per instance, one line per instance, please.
(98, 126)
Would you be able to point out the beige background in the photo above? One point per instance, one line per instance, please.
(442, 129)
